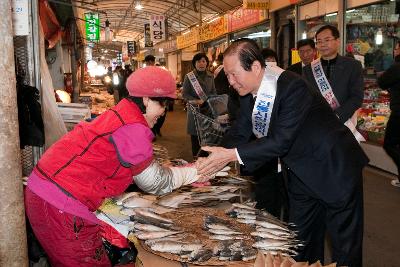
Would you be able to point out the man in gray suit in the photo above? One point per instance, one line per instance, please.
(340, 80)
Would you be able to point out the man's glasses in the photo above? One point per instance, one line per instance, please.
(324, 41)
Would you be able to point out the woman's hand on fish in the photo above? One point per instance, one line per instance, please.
(219, 157)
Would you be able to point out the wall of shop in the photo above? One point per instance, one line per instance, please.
(172, 64)
(59, 62)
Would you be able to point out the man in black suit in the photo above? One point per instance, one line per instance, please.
(324, 160)
(307, 53)
(344, 74)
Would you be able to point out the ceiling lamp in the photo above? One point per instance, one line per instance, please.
(107, 31)
(138, 5)
(379, 37)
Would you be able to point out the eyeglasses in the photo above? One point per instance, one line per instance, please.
(324, 41)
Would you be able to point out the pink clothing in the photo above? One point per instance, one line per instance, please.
(59, 199)
(133, 143)
(68, 240)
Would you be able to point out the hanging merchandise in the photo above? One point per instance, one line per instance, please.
(147, 36)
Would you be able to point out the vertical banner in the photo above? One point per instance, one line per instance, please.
(20, 17)
(131, 47)
(119, 59)
(157, 28)
(92, 23)
(147, 36)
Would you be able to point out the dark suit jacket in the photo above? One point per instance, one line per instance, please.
(306, 135)
(347, 84)
(296, 68)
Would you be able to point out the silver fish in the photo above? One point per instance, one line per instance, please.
(174, 238)
(200, 255)
(148, 228)
(154, 235)
(224, 232)
(175, 247)
(271, 225)
(217, 226)
(119, 200)
(137, 202)
(225, 237)
(266, 234)
(145, 213)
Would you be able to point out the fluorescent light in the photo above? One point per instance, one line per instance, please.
(379, 37)
(259, 34)
(304, 35)
(138, 5)
(214, 19)
(186, 32)
(350, 11)
(331, 14)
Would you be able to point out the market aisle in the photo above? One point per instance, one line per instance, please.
(382, 200)
(174, 136)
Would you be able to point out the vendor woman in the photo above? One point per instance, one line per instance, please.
(98, 160)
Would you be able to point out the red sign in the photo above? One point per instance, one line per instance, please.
(242, 18)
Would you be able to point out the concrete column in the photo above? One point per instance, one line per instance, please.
(13, 248)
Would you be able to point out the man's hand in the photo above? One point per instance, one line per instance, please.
(219, 157)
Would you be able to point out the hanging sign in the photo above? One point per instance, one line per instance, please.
(20, 17)
(92, 22)
(256, 4)
(131, 47)
(157, 28)
(119, 59)
(147, 36)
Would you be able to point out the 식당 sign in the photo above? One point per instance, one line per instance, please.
(157, 28)
(92, 23)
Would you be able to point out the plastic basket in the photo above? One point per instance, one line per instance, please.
(209, 130)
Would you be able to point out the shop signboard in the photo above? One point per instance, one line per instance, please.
(243, 18)
(119, 59)
(147, 36)
(188, 39)
(20, 17)
(256, 4)
(92, 23)
(131, 47)
(214, 29)
(157, 28)
(167, 46)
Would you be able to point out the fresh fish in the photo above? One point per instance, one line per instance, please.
(175, 247)
(243, 206)
(246, 221)
(127, 211)
(225, 237)
(153, 215)
(137, 202)
(224, 232)
(121, 198)
(154, 235)
(172, 200)
(266, 234)
(201, 255)
(217, 226)
(148, 228)
(174, 238)
(246, 216)
(271, 225)
(249, 254)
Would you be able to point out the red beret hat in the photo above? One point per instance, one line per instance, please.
(151, 81)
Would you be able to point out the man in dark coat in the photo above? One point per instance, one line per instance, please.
(323, 159)
(343, 73)
(307, 53)
(390, 80)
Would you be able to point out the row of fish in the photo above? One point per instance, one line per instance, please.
(271, 235)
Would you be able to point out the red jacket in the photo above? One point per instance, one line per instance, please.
(84, 163)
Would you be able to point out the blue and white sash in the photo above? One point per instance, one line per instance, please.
(326, 90)
(264, 104)
(196, 86)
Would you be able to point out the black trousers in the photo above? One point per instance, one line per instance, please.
(313, 217)
(269, 189)
(392, 139)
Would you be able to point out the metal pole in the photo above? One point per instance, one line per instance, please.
(36, 45)
(341, 18)
(13, 240)
(75, 94)
(83, 63)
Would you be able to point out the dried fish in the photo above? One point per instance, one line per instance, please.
(175, 247)
(225, 237)
(216, 226)
(172, 200)
(201, 255)
(224, 232)
(137, 202)
(148, 228)
(266, 234)
(153, 215)
(119, 200)
(154, 235)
